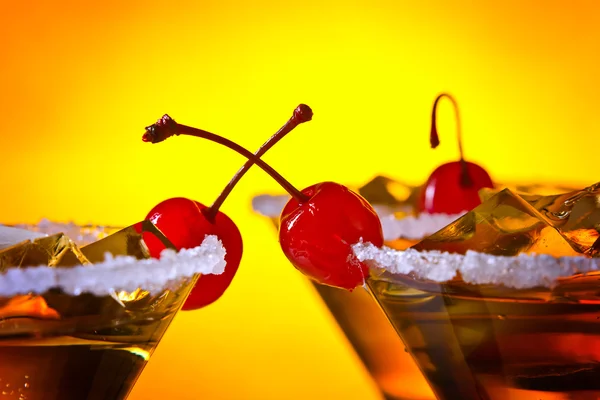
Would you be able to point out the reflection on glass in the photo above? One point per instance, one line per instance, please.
(368, 329)
(505, 327)
(59, 346)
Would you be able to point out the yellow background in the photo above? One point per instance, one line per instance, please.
(80, 80)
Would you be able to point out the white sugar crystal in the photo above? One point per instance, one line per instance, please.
(81, 235)
(415, 227)
(269, 206)
(519, 272)
(26, 280)
(410, 227)
(10, 235)
(122, 273)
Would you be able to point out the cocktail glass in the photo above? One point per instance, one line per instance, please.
(367, 329)
(365, 326)
(484, 316)
(85, 332)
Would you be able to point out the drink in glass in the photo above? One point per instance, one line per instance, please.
(74, 325)
(368, 330)
(502, 303)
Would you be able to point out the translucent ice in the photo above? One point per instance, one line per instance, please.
(384, 191)
(51, 250)
(576, 216)
(520, 241)
(117, 273)
(80, 234)
(505, 224)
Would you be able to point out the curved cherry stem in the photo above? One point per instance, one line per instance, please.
(301, 114)
(434, 138)
(167, 127)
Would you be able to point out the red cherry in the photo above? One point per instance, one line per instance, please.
(316, 235)
(184, 223)
(453, 187)
(318, 225)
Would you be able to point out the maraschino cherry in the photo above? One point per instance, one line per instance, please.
(318, 229)
(318, 225)
(186, 222)
(453, 187)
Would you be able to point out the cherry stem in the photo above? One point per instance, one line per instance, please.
(167, 127)
(434, 139)
(301, 114)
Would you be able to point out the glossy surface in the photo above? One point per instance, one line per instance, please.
(181, 220)
(316, 235)
(56, 346)
(445, 193)
(478, 342)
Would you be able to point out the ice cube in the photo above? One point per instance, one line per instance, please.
(55, 250)
(576, 216)
(126, 242)
(530, 191)
(79, 234)
(519, 241)
(385, 191)
(505, 224)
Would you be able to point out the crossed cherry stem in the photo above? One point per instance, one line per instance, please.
(186, 222)
(302, 113)
(314, 231)
(167, 127)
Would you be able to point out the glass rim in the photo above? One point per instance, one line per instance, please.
(115, 273)
(271, 205)
(522, 271)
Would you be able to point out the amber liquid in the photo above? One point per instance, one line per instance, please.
(486, 343)
(30, 370)
(59, 347)
(376, 343)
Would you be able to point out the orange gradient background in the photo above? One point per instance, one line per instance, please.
(80, 81)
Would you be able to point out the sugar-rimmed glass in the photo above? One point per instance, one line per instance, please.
(87, 331)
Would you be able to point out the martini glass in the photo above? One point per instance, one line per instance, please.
(74, 331)
(504, 302)
(367, 328)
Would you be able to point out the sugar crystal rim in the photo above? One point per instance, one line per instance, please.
(522, 271)
(408, 227)
(415, 226)
(118, 273)
(269, 205)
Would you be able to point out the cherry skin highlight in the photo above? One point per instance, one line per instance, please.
(316, 235)
(452, 187)
(184, 223)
